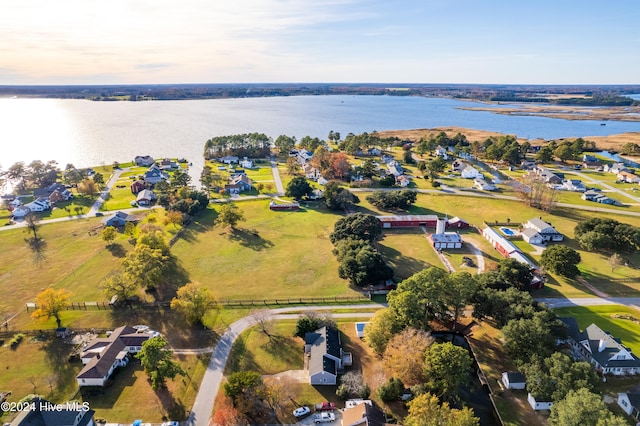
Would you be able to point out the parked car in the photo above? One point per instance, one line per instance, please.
(324, 417)
(325, 406)
(301, 412)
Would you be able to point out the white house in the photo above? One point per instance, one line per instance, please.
(326, 358)
(615, 168)
(458, 166)
(628, 177)
(470, 172)
(39, 205)
(441, 152)
(513, 380)
(539, 405)
(630, 403)
(532, 236)
(102, 356)
(20, 212)
(394, 168)
(246, 163)
(547, 231)
(604, 352)
(483, 185)
(573, 185)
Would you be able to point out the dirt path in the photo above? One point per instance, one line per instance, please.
(592, 288)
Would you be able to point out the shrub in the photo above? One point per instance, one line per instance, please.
(392, 390)
(17, 338)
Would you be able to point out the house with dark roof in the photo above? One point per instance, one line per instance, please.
(155, 175)
(238, 183)
(138, 186)
(143, 160)
(548, 176)
(365, 414)
(326, 357)
(102, 356)
(119, 219)
(45, 413)
(630, 403)
(606, 353)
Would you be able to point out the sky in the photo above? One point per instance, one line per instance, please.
(324, 41)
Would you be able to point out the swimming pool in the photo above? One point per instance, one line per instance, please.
(507, 231)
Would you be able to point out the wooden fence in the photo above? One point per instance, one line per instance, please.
(229, 303)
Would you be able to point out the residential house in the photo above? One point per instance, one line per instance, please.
(229, 159)
(143, 160)
(513, 380)
(615, 168)
(326, 357)
(155, 175)
(138, 186)
(458, 166)
(548, 176)
(55, 192)
(238, 183)
(597, 197)
(441, 152)
(20, 212)
(394, 168)
(531, 236)
(166, 164)
(311, 172)
(630, 403)
(628, 177)
(547, 231)
(573, 185)
(374, 152)
(483, 185)
(470, 172)
(606, 353)
(102, 356)
(46, 413)
(322, 181)
(246, 163)
(15, 203)
(539, 405)
(591, 162)
(364, 414)
(145, 197)
(119, 219)
(403, 181)
(39, 205)
(304, 155)
(386, 158)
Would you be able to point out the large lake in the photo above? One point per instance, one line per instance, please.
(89, 133)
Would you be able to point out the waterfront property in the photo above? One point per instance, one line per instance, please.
(606, 353)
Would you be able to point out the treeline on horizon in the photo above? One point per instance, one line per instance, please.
(586, 95)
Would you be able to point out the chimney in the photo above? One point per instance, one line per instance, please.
(602, 345)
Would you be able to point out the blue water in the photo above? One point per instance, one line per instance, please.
(89, 133)
(507, 231)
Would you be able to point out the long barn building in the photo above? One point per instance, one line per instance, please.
(406, 221)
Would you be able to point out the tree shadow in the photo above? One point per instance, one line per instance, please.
(63, 366)
(174, 408)
(250, 239)
(400, 262)
(117, 250)
(106, 397)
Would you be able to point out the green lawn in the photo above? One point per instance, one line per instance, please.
(621, 321)
(272, 254)
(408, 251)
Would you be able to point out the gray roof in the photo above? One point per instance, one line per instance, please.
(634, 399)
(62, 417)
(539, 223)
(529, 232)
(324, 341)
(602, 346)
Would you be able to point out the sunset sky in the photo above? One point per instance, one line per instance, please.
(253, 41)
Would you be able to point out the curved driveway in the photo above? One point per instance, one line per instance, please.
(203, 406)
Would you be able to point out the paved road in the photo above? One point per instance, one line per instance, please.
(606, 185)
(276, 176)
(633, 302)
(203, 406)
(105, 192)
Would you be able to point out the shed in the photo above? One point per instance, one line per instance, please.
(513, 380)
(538, 405)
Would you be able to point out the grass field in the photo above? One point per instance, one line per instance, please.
(621, 321)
